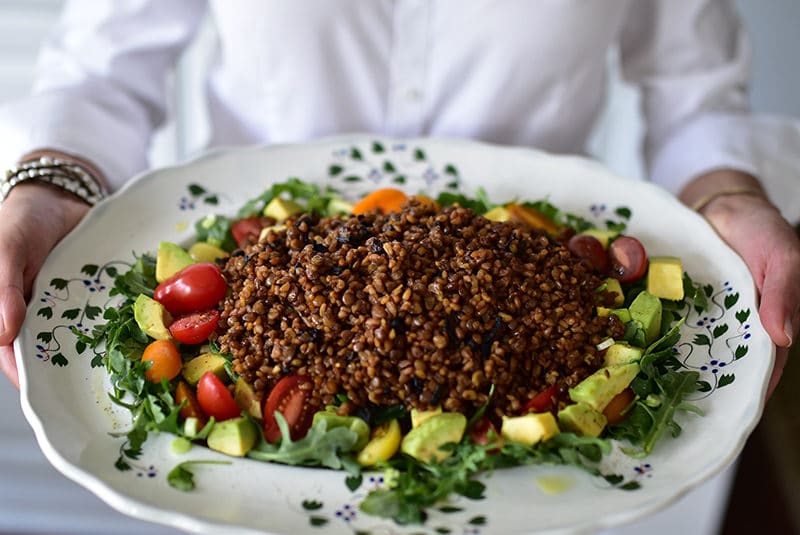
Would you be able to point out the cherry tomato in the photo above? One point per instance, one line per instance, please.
(194, 328)
(628, 259)
(194, 288)
(290, 398)
(589, 249)
(184, 393)
(166, 359)
(615, 410)
(215, 399)
(484, 432)
(543, 401)
(247, 230)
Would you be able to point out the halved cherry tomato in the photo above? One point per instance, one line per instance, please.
(247, 230)
(191, 409)
(215, 399)
(589, 249)
(384, 200)
(484, 432)
(628, 259)
(194, 288)
(543, 401)
(194, 328)
(290, 398)
(615, 410)
(166, 359)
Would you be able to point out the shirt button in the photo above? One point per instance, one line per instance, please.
(412, 94)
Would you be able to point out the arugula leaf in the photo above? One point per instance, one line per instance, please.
(182, 478)
(320, 447)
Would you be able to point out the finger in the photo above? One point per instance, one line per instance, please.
(9, 365)
(12, 294)
(781, 356)
(780, 300)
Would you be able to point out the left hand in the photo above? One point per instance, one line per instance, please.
(769, 246)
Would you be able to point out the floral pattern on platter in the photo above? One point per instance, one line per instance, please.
(719, 335)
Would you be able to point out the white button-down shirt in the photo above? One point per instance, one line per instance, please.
(522, 72)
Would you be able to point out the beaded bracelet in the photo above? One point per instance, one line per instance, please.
(702, 202)
(67, 176)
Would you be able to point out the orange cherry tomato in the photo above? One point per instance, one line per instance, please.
(384, 200)
(191, 408)
(166, 359)
(615, 410)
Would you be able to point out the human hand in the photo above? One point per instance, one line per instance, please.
(770, 248)
(34, 218)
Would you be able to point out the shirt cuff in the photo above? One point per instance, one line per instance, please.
(766, 147)
(112, 142)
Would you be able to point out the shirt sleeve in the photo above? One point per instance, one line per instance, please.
(100, 88)
(691, 60)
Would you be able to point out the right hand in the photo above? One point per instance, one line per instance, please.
(33, 219)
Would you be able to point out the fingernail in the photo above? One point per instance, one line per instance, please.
(788, 329)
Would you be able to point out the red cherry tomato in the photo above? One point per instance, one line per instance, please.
(215, 399)
(192, 289)
(589, 249)
(543, 401)
(290, 398)
(484, 432)
(628, 259)
(247, 230)
(194, 328)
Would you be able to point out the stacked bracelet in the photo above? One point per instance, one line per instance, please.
(61, 174)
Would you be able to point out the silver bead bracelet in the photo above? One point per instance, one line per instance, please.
(67, 176)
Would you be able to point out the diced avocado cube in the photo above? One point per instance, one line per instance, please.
(205, 252)
(417, 416)
(599, 389)
(529, 429)
(152, 317)
(338, 206)
(603, 236)
(198, 366)
(234, 437)
(353, 423)
(665, 277)
(582, 419)
(424, 443)
(623, 314)
(245, 398)
(281, 209)
(498, 213)
(622, 353)
(613, 286)
(646, 309)
(170, 259)
(272, 228)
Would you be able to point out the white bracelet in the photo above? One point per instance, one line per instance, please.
(61, 174)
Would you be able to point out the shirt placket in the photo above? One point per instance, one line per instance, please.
(408, 65)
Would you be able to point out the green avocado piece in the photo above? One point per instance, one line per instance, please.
(234, 437)
(665, 277)
(622, 353)
(170, 259)
(198, 366)
(281, 209)
(582, 419)
(353, 423)
(599, 389)
(646, 309)
(424, 442)
(245, 397)
(603, 236)
(152, 317)
(337, 206)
